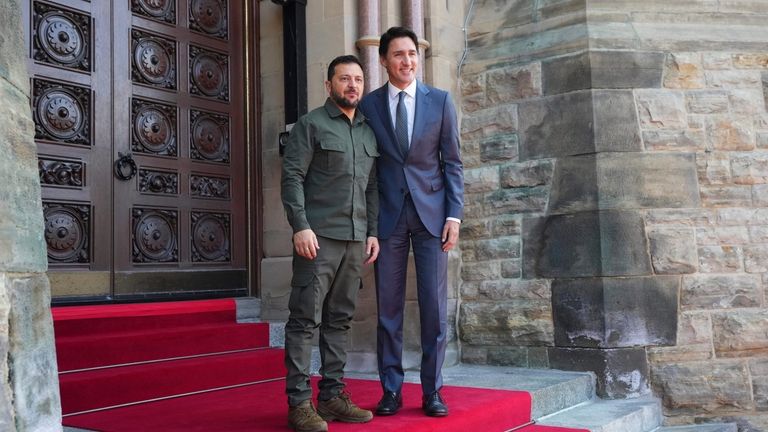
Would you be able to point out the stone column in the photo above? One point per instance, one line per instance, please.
(413, 18)
(368, 29)
(29, 390)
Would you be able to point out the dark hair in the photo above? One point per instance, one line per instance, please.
(394, 33)
(344, 59)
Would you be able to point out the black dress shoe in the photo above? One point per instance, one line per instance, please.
(389, 404)
(434, 405)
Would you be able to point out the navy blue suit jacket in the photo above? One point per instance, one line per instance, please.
(431, 171)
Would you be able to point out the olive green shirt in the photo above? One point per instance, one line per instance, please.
(329, 175)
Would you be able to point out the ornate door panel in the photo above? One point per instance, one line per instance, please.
(138, 107)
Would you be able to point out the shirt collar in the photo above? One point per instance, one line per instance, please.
(394, 91)
(333, 111)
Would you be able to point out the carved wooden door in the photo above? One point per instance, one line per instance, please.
(138, 108)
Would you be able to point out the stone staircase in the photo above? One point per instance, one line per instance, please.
(560, 398)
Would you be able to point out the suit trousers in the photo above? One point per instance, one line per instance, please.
(432, 291)
(323, 295)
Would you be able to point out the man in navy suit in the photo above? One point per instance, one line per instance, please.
(421, 188)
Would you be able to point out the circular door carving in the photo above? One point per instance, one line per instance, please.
(66, 233)
(60, 114)
(209, 16)
(154, 130)
(210, 139)
(61, 39)
(152, 61)
(210, 237)
(154, 236)
(159, 9)
(208, 74)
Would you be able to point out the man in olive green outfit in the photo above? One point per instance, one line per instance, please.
(330, 196)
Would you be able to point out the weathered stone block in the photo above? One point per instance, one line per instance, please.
(661, 109)
(716, 235)
(605, 243)
(489, 122)
(750, 168)
(498, 248)
(707, 102)
(516, 289)
(511, 268)
(711, 386)
(510, 322)
(566, 74)
(758, 369)
(32, 359)
(483, 179)
(684, 71)
(694, 340)
(556, 126)
(13, 50)
(756, 259)
(602, 70)
(714, 168)
(760, 195)
(732, 79)
(720, 259)
(624, 180)
(726, 196)
(506, 225)
(615, 313)
(480, 271)
(720, 291)
(626, 69)
(731, 134)
(747, 102)
(512, 83)
(519, 200)
(615, 121)
(527, 174)
(475, 229)
(499, 147)
(688, 140)
(673, 250)
(621, 373)
(740, 333)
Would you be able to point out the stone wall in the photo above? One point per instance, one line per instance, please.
(617, 164)
(29, 393)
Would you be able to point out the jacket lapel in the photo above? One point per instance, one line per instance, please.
(422, 108)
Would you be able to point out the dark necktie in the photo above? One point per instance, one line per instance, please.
(401, 124)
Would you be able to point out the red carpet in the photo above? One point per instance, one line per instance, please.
(263, 408)
(134, 353)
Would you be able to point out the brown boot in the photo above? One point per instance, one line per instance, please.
(341, 408)
(304, 418)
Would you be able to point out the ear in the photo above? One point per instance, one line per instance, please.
(382, 62)
(328, 87)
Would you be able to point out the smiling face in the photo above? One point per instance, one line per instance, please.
(346, 85)
(401, 62)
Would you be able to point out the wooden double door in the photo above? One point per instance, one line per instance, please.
(140, 130)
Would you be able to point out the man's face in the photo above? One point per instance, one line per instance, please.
(401, 62)
(346, 86)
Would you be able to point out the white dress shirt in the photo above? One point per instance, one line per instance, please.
(410, 105)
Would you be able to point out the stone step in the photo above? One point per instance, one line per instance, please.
(628, 415)
(551, 390)
(713, 427)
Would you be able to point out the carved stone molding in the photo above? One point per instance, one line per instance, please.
(209, 17)
(159, 10)
(61, 112)
(210, 237)
(155, 235)
(67, 232)
(209, 187)
(209, 73)
(158, 182)
(154, 128)
(209, 136)
(56, 172)
(61, 37)
(154, 60)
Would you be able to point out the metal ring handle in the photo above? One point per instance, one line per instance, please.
(124, 167)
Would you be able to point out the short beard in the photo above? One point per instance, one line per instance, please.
(342, 101)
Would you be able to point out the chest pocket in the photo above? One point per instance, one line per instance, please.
(335, 155)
